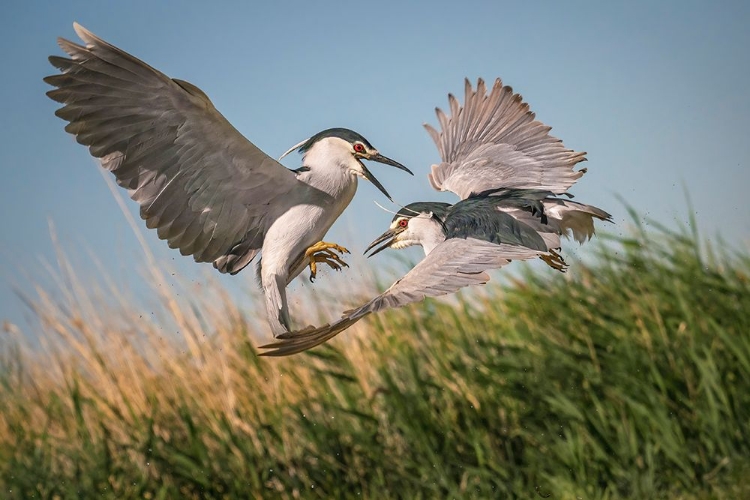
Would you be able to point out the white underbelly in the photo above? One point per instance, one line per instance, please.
(301, 225)
(298, 228)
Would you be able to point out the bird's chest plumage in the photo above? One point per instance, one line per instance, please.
(330, 189)
(306, 220)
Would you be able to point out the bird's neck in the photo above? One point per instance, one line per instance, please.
(430, 244)
(430, 234)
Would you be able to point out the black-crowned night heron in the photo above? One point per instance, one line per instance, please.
(207, 190)
(508, 171)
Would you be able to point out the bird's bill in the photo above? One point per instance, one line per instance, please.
(380, 159)
(368, 175)
(389, 235)
(387, 161)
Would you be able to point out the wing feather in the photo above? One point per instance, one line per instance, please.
(198, 181)
(454, 264)
(495, 141)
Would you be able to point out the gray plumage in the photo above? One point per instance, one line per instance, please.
(508, 172)
(198, 181)
(482, 219)
(206, 189)
(494, 141)
(455, 264)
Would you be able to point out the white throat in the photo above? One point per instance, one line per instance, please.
(427, 232)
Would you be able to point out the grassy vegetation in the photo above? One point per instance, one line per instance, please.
(627, 378)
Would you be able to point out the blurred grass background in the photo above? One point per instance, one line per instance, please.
(629, 377)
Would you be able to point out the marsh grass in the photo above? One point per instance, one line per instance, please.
(629, 377)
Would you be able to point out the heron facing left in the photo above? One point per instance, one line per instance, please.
(203, 186)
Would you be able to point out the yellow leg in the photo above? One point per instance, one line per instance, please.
(321, 252)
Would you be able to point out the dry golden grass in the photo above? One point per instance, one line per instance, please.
(630, 377)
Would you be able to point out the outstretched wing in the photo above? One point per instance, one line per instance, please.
(452, 265)
(493, 141)
(196, 178)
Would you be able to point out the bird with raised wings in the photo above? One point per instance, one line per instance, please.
(509, 173)
(204, 187)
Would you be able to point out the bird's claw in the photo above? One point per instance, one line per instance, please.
(555, 261)
(321, 253)
(322, 245)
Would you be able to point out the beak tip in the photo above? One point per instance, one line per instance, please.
(383, 237)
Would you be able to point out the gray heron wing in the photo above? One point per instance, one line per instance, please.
(452, 265)
(198, 181)
(494, 141)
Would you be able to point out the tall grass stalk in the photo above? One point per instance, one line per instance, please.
(629, 377)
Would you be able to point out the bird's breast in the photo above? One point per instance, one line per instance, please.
(304, 222)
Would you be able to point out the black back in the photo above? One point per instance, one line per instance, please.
(479, 218)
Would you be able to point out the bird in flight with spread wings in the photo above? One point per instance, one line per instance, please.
(510, 174)
(204, 187)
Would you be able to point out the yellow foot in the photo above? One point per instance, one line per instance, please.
(555, 261)
(321, 252)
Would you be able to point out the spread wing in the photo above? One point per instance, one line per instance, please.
(196, 178)
(493, 141)
(452, 265)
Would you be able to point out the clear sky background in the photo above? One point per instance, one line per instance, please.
(655, 92)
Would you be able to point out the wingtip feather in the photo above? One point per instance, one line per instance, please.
(82, 32)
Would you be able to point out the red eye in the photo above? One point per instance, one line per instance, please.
(359, 148)
(403, 223)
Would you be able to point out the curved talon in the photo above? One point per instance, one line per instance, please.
(555, 261)
(321, 252)
(330, 256)
(322, 245)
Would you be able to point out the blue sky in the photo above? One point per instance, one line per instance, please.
(655, 92)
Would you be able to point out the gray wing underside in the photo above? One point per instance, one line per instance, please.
(494, 141)
(198, 181)
(452, 265)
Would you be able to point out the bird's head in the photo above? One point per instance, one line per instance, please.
(345, 149)
(419, 223)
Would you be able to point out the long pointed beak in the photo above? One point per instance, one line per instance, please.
(389, 235)
(387, 161)
(368, 175)
(381, 159)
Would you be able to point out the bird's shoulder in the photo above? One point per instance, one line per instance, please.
(482, 217)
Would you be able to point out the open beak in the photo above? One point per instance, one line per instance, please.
(389, 235)
(380, 159)
(387, 161)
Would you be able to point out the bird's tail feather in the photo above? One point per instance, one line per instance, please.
(576, 218)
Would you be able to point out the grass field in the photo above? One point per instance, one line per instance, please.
(627, 378)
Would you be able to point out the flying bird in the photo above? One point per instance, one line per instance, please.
(510, 175)
(204, 187)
